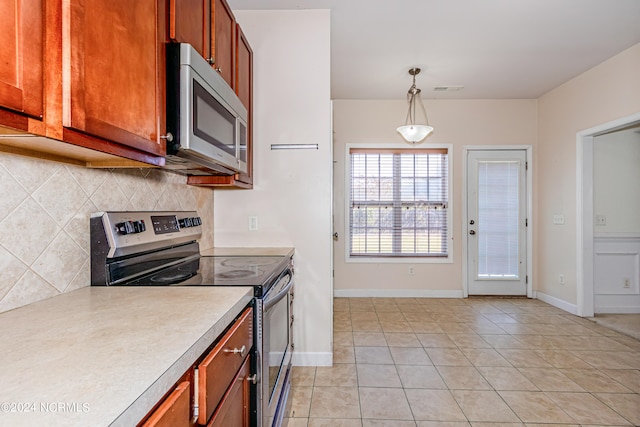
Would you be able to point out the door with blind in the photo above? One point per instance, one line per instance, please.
(496, 222)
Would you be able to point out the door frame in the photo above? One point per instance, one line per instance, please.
(529, 201)
(585, 304)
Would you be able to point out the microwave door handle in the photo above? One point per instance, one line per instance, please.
(270, 302)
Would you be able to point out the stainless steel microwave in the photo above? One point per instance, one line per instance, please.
(206, 121)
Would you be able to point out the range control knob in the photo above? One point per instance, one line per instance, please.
(189, 222)
(131, 227)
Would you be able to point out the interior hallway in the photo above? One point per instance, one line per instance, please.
(402, 362)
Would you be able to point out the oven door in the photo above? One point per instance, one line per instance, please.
(277, 349)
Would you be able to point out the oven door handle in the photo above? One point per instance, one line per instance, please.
(273, 300)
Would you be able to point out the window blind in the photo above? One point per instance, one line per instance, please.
(498, 219)
(398, 202)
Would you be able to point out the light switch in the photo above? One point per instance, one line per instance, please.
(558, 219)
(253, 223)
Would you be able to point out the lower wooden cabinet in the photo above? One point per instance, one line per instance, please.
(175, 411)
(219, 384)
(217, 372)
(234, 410)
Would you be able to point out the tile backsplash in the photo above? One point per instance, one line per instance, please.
(44, 219)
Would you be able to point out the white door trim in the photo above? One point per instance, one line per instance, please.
(584, 203)
(529, 196)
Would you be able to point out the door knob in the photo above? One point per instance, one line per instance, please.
(472, 232)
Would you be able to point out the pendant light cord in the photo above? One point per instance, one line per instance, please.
(412, 94)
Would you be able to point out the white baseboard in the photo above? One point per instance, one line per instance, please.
(617, 310)
(312, 359)
(396, 293)
(556, 302)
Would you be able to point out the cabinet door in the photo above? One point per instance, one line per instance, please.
(112, 67)
(234, 410)
(219, 367)
(223, 40)
(189, 23)
(21, 64)
(244, 90)
(175, 411)
(244, 70)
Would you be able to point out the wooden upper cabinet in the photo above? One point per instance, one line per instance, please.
(189, 23)
(244, 90)
(21, 40)
(113, 66)
(223, 40)
(244, 70)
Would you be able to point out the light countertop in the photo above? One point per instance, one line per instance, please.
(104, 356)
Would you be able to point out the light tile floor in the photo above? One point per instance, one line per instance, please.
(409, 362)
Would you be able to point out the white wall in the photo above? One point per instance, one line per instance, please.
(605, 93)
(292, 188)
(616, 181)
(456, 122)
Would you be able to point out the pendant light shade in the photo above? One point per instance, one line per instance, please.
(412, 132)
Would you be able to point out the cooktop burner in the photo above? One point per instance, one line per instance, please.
(171, 277)
(239, 274)
(250, 261)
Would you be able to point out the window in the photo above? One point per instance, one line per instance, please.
(398, 202)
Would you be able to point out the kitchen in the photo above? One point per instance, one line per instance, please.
(38, 234)
(52, 257)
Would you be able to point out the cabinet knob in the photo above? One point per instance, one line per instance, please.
(211, 60)
(241, 351)
(219, 69)
(168, 137)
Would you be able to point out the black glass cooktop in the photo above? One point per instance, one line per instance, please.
(256, 271)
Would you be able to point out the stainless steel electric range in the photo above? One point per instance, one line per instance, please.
(162, 249)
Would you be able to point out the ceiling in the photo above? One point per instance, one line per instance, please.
(496, 49)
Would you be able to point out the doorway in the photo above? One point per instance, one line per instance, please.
(585, 244)
(496, 222)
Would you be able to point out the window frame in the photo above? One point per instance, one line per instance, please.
(347, 211)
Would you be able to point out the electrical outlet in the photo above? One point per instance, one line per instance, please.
(562, 279)
(411, 271)
(558, 219)
(253, 223)
(627, 283)
(601, 219)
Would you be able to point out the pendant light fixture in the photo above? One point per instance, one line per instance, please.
(412, 132)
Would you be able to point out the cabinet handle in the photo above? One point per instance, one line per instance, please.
(241, 351)
(211, 60)
(168, 137)
(253, 379)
